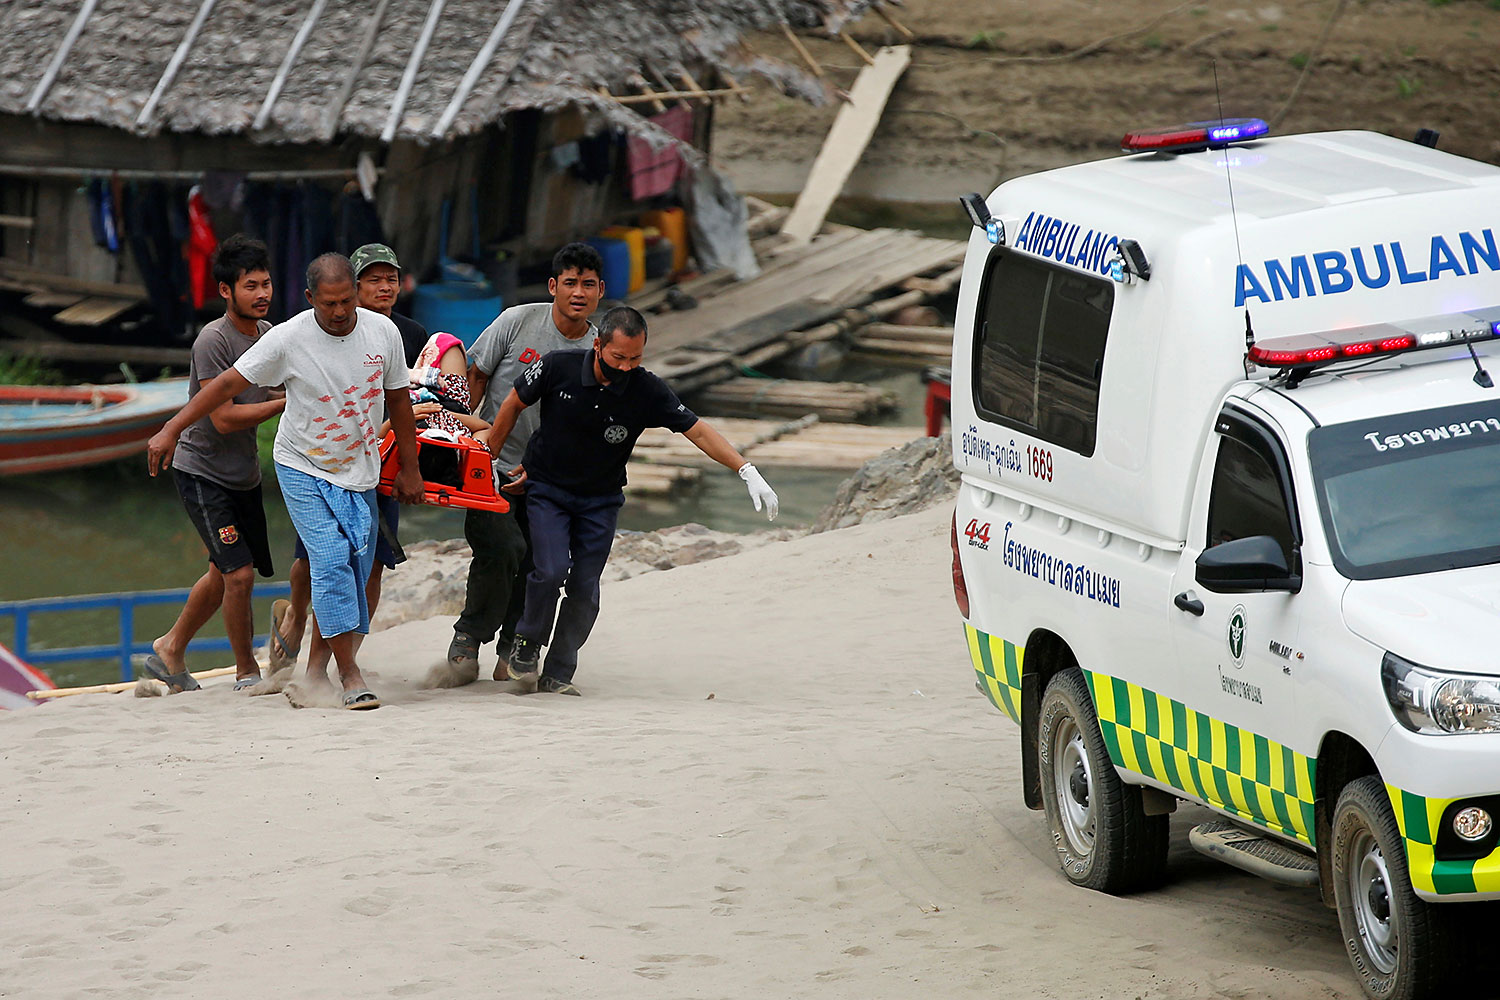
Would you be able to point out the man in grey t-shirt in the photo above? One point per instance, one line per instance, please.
(520, 336)
(217, 473)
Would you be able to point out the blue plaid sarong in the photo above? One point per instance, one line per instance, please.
(338, 528)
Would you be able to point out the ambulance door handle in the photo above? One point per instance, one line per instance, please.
(1191, 605)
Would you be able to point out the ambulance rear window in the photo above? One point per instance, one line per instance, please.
(1039, 350)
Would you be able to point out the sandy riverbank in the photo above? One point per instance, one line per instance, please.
(840, 819)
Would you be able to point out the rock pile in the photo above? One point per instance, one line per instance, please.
(903, 480)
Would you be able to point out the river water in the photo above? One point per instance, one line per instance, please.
(113, 528)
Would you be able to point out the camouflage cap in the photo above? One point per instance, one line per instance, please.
(372, 253)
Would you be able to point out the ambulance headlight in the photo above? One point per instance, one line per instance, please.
(1433, 702)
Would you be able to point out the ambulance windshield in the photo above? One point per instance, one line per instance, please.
(1411, 493)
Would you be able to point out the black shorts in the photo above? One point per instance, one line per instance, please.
(231, 522)
(390, 509)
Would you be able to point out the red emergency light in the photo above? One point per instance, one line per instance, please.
(1311, 350)
(1194, 135)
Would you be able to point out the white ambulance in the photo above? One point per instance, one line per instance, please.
(1229, 527)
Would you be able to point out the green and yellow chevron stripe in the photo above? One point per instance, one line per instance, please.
(1418, 818)
(1244, 773)
(998, 664)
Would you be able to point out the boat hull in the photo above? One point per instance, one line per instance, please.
(46, 428)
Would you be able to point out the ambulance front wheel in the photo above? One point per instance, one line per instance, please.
(1103, 837)
(1402, 948)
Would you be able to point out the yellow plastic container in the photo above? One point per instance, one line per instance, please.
(673, 225)
(635, 239)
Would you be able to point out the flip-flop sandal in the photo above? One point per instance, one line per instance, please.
(241, 683)
(360, 698)
(278, 651)
(154, 666)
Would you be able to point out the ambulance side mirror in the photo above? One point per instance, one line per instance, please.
(1245, 565)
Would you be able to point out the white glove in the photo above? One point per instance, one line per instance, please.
(760, 490)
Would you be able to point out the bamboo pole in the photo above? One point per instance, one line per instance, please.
(889, 18)
(807, 56)
(170, 74)
(409, 77)
(366, 46)
(477, 67)
(859, 49)
(117, 686)
(300, 39)
(669, 95)
(60, 56)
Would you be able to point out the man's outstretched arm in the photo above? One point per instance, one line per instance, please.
(229, 384)
(717, 447)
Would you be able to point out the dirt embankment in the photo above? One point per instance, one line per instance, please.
(1003, 87)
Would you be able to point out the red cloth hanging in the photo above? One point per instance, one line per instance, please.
(654, 171)
(201, 245)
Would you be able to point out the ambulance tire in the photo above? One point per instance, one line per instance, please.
(1401, 947)
(1103, 837)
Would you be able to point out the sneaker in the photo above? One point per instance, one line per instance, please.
(557, 686)
(524, 665)
(503, 646)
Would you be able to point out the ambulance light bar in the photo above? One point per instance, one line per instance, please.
(1194, 136)
(1312, 350)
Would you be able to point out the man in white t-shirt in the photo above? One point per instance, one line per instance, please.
(339, 364)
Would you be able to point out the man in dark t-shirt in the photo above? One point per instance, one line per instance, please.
(594, 405)
(217, 473)
(377, 282)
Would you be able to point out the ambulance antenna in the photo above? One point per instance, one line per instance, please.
(1234, 217)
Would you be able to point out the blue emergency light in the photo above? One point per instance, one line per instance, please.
(1194, 136)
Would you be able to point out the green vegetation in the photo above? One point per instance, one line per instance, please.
(1153, 42)
(265, 436)
(16, 370)
(985, 39)
(1407, 87)
(1298, 60)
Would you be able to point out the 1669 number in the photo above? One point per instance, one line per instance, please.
(1039, 463)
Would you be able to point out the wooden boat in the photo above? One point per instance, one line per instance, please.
(18, 677)
(45, 428)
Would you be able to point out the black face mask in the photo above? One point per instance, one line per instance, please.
(616, 376)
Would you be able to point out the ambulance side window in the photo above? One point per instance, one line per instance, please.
(1247, 498)
(1040, 349)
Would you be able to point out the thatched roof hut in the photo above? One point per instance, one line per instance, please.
(460, 103)
(337, 67)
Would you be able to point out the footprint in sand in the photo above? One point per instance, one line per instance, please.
(367, 906)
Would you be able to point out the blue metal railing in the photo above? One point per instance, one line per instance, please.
(125, 603)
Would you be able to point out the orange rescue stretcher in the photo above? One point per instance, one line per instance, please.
(454, 473)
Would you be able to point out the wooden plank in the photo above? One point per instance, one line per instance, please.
(109, 354)
(846, 141)
(52, 300)
(93, 311)
(36, 280)
(17, 222)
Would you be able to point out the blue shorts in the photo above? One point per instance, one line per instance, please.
(390, 510)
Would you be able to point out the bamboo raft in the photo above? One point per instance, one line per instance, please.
(842, 280)
(839, 402)
(807, 443)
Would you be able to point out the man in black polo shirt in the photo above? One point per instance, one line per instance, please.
(595, 404)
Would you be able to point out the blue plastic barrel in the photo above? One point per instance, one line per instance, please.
(616, 254)
(461, 308)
